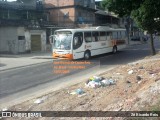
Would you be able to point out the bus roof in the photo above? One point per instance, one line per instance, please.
(99, 28)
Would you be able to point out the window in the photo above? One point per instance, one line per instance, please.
(114, 35)
(95, 36)
(103, 36)
(88, 36)
(119, 35)
(123, 34)
(63, 32)
(79, 14)
(21, 37)
(77, 40)
(109, 35)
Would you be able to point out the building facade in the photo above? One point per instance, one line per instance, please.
(25, 25)
(71, 13)
(20, 27)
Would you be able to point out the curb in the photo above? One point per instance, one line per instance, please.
(42, 58)
(136, 44)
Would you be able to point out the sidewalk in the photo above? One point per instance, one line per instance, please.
(16, 61)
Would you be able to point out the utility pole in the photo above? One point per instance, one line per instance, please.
(58, 11)
(127, 25)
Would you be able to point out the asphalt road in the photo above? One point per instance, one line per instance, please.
(14, 81)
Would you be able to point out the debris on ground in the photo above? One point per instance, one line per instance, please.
(96, 82)
(130, 87)
(130, 72)
(78, 92)
(40, 100)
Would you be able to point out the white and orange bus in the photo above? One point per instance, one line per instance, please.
(87, 42)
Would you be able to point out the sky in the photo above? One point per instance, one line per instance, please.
(15, 0)
(11, 0)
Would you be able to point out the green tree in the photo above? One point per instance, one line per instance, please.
(146, 13)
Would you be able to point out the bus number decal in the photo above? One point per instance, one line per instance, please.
(87, 46)
(103, 44)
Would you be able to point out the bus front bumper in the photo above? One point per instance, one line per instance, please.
(63, 56)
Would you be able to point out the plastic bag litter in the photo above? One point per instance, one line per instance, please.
(108, 82)
(130, 72)
(41, 100)
(96, 78)
(78, 92)
(94, 84)
(73, 93)
(38, 101)
(112, 82)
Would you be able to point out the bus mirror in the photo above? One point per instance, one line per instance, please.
(75, 41)
(51, 40)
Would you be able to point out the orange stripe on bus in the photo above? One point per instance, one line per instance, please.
(64, 56)
(118, 42)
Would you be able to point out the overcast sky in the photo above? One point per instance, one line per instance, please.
(11, 0)
(15, 0)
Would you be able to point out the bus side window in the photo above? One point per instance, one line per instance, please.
(109, 35)
(77, 40)
(88, 36)
(114, 35)
(119, 35)
(103, 36)
(123, 34)
(95, 36)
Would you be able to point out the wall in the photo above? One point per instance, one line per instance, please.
(62, 16)
(16, 40)
(67, 15)
(21, 40)
(8, 40)
(84, 16)
(59, 2)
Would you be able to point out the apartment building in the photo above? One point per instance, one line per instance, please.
(71, 13)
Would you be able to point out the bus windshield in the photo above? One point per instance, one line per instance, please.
(62, 41)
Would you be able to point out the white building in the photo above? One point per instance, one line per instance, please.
(21, 40)
(20, 29)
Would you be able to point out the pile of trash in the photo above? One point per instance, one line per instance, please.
(95, 82)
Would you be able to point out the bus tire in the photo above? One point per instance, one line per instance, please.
(87, 55)
(114, 49)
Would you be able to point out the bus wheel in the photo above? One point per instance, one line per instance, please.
(87, 55)
(114, 49)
